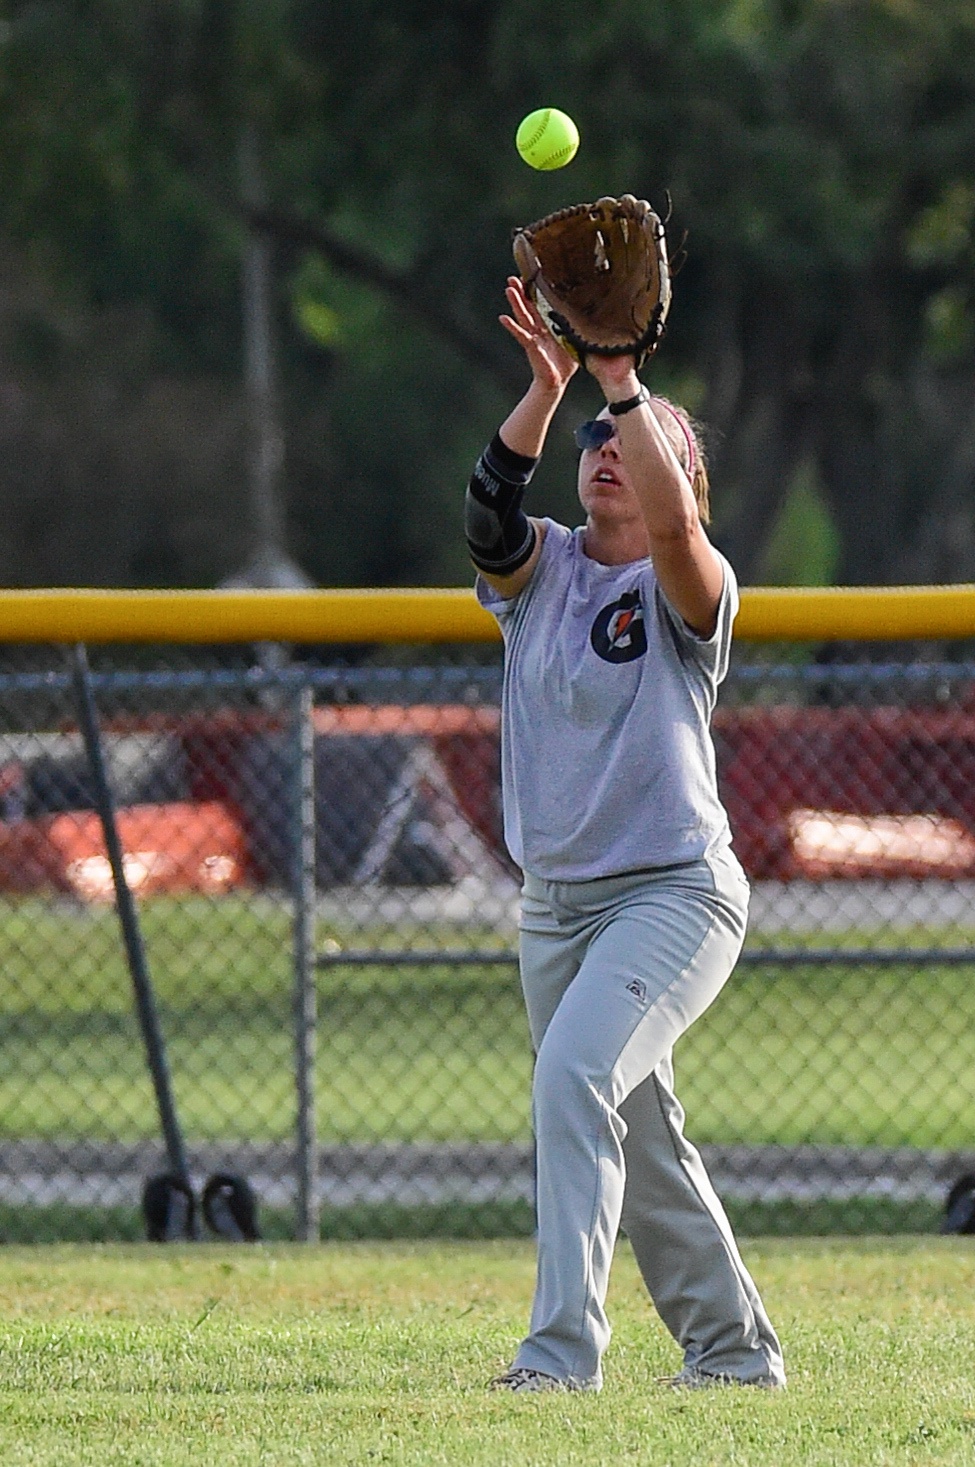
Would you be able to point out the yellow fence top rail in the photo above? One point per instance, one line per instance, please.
(856, 613)
(835, 613)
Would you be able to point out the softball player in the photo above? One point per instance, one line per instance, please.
(616, 636)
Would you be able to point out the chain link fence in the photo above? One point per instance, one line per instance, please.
(257, 923)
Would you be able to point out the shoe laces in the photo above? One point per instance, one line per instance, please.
(524, 1379)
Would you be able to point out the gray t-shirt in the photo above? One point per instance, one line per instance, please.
(607, 762)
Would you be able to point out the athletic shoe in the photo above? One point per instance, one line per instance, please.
(698, 1380)
(523, 1379)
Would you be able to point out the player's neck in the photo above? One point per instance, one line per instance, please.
(612, 541)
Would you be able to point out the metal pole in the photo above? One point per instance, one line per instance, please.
(128, 918)
(305, 993)
(266, 446)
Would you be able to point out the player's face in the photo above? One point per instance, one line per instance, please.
(604, 485)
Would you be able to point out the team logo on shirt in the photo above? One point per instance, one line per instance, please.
(618, 633)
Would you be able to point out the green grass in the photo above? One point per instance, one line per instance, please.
(61, 1223)
(823, 1217)
(845, 1055)
(840, 1055)
(442, 1055)
(789, 1055)
(286, 1355)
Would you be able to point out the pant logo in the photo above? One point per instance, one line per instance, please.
(638, 989)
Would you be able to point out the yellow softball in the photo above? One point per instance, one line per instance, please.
(547, 138)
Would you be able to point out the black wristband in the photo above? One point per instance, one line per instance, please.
(628, 404)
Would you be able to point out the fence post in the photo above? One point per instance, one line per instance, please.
(305, 995)
(135, 952)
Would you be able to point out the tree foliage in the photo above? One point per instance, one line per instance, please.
(817, 153)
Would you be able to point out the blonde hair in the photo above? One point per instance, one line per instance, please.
(686, 438)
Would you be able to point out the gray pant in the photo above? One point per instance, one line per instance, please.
(613, 972)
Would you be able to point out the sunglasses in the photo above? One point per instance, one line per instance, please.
(594, 433)
(597, 431)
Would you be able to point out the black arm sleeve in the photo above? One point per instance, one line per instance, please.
(500, 535)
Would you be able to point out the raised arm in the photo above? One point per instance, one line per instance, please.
(504, 543)
(686, 563)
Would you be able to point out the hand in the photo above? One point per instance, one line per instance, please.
(617, 376)
(551, 364)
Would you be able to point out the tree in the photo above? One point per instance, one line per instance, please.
(817, 152)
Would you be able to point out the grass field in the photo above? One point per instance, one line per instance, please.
(279, 1355)
(787, 1055)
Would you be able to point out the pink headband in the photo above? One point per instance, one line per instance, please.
(688, 436)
